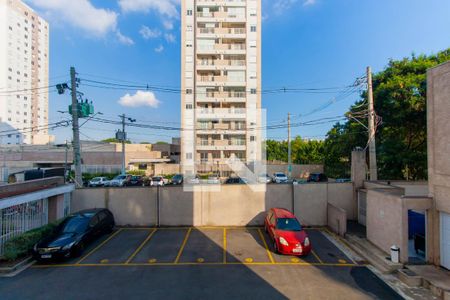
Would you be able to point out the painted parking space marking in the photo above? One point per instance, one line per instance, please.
(205, 244)
(164, 246)
(100, 245)
(141, 246)
(245, 245)
(119, 248)
(184, 246)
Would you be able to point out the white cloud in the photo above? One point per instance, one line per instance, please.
(164, 7)
(280, 6)
(80, 14)
(148, 33)
(309, 2)
(141, 98)
(168, 24)
(124, 39)
(170, 38)
(159, 49)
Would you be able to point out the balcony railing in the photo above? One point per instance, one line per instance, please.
(222, 143)
(219, 62)
(221, 30)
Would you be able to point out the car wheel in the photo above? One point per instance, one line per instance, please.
(110, 229)
(275, 247)
(78, 251)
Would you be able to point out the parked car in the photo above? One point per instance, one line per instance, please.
(97, 181)
(264, 178)
(317, 177)
(119, 180)
(157, 181)
(177, 179)
(279, 177)
(213, 180)
(235, 180)
(286, 233)
(134, 180)
(70, 238)
(107, 183)
(193, 179)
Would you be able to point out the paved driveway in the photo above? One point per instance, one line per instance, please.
(198, 263)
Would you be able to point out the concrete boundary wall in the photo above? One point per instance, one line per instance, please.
(225, 205)
(337, 219)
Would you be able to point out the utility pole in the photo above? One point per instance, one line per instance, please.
(372, 144)
(76, 130)
(289, 146)
(123, 136)
(65, 163)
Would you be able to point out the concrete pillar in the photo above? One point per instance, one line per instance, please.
(358, 174)
(55, 208)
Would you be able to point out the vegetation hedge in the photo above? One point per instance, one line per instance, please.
(23, 244)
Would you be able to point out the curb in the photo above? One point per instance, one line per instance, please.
(18, 268)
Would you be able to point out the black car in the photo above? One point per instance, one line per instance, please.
(70, 238)
(317, 177)
(134, 180)
(235, 180)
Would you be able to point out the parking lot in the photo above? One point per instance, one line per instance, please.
(205, 262)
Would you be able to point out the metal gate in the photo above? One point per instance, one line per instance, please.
(362, 206)
(17, 219)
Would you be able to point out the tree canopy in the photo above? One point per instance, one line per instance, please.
(400, 101)
(114, 140)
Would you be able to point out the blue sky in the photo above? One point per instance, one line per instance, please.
(306, 44)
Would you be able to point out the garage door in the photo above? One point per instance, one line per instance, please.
(445, 240)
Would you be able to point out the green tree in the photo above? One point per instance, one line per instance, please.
(114, 140)
(400, 102)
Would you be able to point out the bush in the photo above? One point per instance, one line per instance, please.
(22, 245)
(137, 172)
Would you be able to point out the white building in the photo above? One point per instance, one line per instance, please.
(24, 52)
(221, 83)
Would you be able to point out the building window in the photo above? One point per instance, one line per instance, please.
(188, 91)
(252, 138)
(253, 91)
(189, 12)
(253, 28)
(188, 106)
(189, 155)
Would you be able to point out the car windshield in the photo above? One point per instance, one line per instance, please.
(176, 177)
(280, 175)
(96, 179)
(156, 178)
(288, 224)
(76, 224)
(119, 177)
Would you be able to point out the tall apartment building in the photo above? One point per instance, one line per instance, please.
(24, 51)
(220, 80)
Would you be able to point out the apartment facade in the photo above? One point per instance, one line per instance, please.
(24, 52)
(221, 83)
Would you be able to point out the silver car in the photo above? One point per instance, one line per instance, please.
(118, 180)
(279, 177)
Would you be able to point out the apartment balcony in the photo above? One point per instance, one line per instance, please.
(220, 64)
(220, 81)
(221, 113)
(221, 128)
(234, 3)
(220, 16)
(225, 97)
(222, 49)
(235, 145)
(222, 33)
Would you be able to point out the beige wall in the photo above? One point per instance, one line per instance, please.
(337, 219)
(387, 224)
(233, 205)
(438, 139)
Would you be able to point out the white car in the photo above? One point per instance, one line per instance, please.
(97, 181)
(213, 180)
(119, 180)
(157, 181)
(279, 177)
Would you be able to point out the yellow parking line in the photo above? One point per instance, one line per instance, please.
(141, 246)
(224, 245)
(265, 245)
(183, 245)
(316, 256)
(198, 263)
(99, 246)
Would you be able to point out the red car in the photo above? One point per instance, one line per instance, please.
(286, 233)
